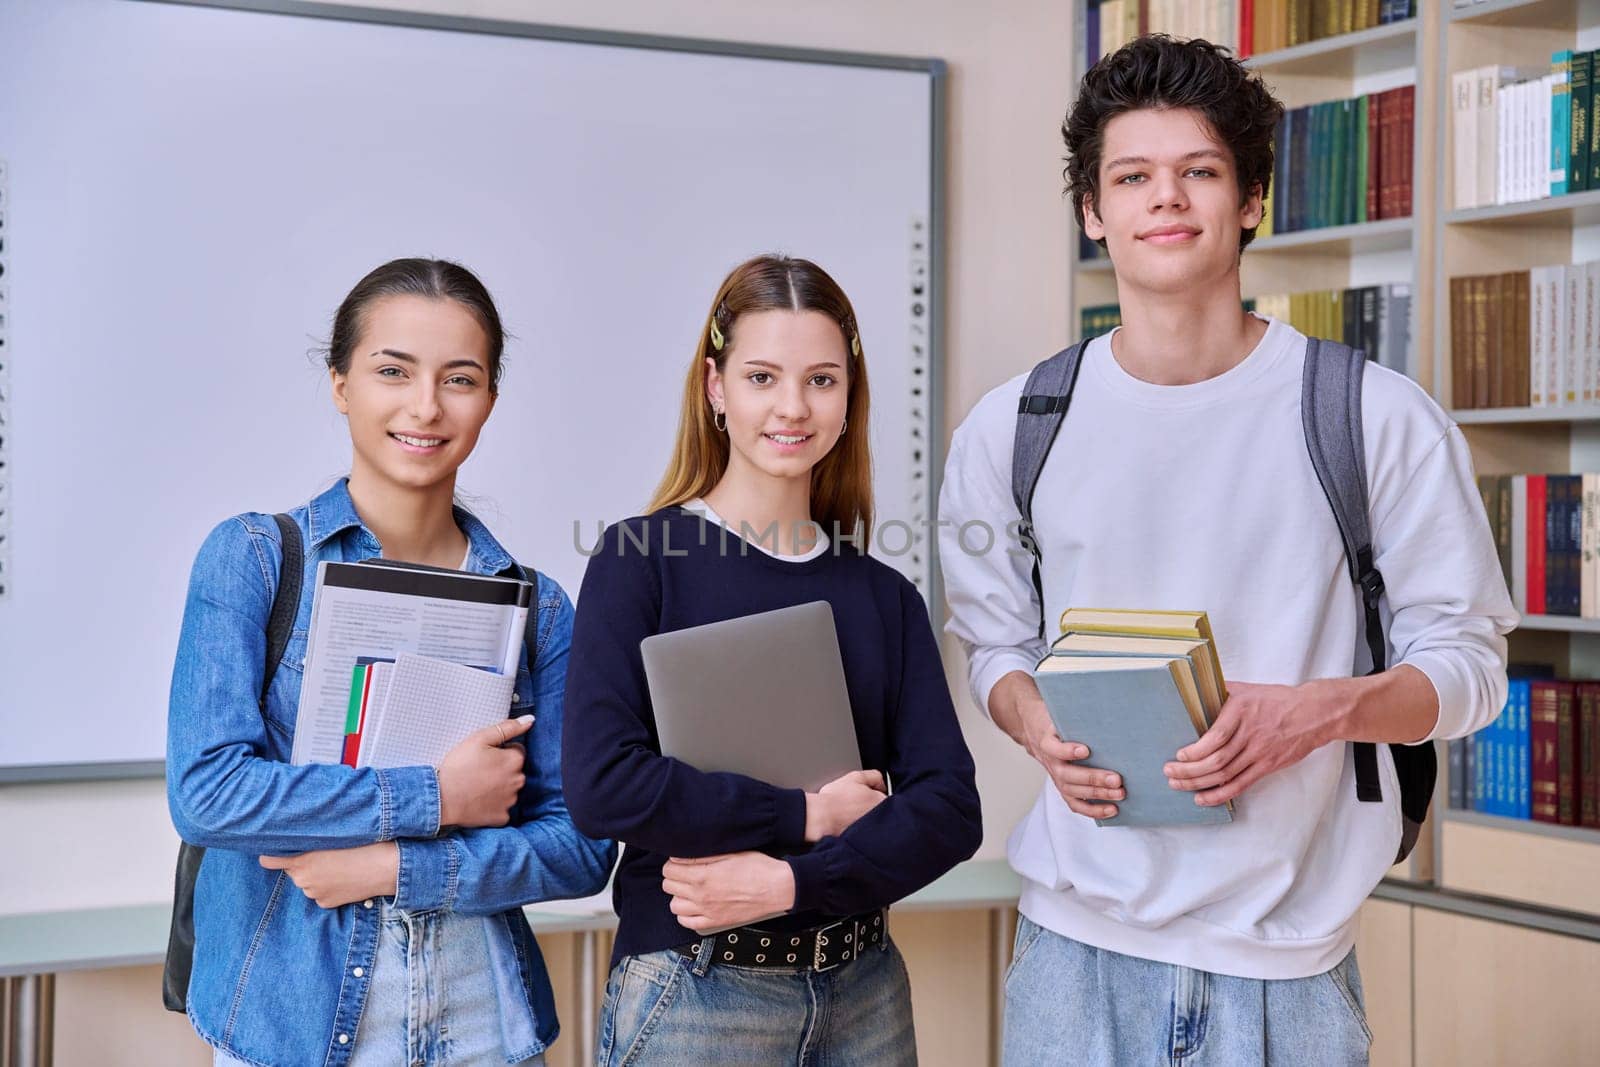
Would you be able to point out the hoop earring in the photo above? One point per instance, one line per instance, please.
(720, 421)
(843, 426)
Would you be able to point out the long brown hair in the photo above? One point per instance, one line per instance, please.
(841, 482)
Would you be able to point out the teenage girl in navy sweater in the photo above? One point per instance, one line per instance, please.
(766, 503)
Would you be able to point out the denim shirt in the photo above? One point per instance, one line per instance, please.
(277, 979)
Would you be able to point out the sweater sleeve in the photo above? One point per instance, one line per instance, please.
(618, 785)
(988, 584)
(1444, 587)
(931, 822)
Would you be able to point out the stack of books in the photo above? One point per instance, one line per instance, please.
(1539, 759)
(1135, 687)
(403, 661)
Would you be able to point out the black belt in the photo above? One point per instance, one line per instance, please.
(821, 948)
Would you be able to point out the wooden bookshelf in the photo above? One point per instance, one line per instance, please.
(1515, 14)
(1572, 209)
(1561, 413)
(1564, 624)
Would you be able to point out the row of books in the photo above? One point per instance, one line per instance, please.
(1539, 759)
(1344, 161)
(1524, 133)
(1248, 27)
(1374, 318)
(1526, 338)
(1544, 528)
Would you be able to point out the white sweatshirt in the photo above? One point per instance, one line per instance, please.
(1203, 497)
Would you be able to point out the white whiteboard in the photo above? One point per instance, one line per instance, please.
(190, 190)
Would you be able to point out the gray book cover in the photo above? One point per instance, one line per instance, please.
(1134, 722)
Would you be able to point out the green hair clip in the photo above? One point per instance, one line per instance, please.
(717, 340)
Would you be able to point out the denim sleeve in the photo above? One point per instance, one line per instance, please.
(541, 856)
(223, 789)
(932, 821)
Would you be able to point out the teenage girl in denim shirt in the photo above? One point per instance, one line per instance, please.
(752, 918)
(370, 917)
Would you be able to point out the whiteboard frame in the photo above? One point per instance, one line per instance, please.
(938, 74)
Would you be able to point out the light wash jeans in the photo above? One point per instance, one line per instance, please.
(432, 998)
(663, 1008)
(1070, 1003)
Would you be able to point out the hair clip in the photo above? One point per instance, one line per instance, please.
(717, 340)
(855, 345)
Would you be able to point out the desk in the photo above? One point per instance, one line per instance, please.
(35, 948)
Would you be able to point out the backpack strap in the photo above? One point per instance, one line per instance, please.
(1040, 412)
(1330, 408)
(285, 601)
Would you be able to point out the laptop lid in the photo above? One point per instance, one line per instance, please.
(763, 695)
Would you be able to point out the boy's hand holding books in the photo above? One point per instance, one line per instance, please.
(1087, 790)
(1261, 729)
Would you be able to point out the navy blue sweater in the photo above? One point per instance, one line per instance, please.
(618, 785)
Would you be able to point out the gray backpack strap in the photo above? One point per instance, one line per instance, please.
(1330, 409)
(1040, 412)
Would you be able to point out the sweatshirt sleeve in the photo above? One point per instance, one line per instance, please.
(1446, 593)
(988, 570)
(931, 822)
(618, 785)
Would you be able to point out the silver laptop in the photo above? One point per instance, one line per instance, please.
(762, 696)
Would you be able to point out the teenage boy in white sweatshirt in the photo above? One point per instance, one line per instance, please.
(1180, 479)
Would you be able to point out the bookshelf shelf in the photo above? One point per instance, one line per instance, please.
(1384, 235)
(1574, 209)
(1522, 416)
(1518, 14)
(1095, 266)
(1560, 624)
(1319, 55)
(1524, 826)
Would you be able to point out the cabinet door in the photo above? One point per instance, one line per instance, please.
(1491, 993)
(1383, 952)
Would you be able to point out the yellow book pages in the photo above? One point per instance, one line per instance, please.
(1153, 623)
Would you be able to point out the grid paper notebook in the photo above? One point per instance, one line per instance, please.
(431, 705)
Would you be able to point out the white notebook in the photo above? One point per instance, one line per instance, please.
(427, 707)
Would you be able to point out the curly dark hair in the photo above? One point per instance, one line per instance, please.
(1158, 71)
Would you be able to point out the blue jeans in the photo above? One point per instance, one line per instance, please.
(432, 999)
(1070, 1003)
(664, 1008)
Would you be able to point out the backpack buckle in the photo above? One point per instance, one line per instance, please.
(1371, 587)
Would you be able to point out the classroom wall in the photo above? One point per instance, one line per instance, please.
(1008, 226)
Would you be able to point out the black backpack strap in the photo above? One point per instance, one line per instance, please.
(179, 963)
(1330, 408)
(1040, 412)
(285, 600)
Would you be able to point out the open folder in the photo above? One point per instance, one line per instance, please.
(380, 610)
